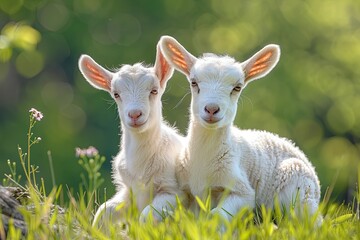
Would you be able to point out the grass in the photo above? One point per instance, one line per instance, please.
(46, 220)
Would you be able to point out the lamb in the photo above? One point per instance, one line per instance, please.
(145, 165)
(253, 167)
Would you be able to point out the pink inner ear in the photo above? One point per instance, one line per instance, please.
(260, 64)
(256, 69)
(96, 75)
(178, 58)
(264, 58)
(164, 67)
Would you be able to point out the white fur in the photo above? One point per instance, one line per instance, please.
(145, 165)
(253, 166)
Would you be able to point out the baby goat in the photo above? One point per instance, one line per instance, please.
(145, 165)
(252, 167)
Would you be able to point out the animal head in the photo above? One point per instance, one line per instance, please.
(217, 81)
(136, 89)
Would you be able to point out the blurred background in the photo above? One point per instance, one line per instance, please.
(311, 97)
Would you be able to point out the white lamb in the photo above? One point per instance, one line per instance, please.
(253, 167)
(145, 165)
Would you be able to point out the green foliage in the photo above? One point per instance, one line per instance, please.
(91, 162)
(17, 36)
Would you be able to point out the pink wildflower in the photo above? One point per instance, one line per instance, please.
(88, 152)
(37, 115)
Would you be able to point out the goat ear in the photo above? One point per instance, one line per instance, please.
(96, 75)
(163, 69)
(261, 63)
(177, 55)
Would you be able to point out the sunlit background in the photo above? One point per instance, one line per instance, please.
(311, 97)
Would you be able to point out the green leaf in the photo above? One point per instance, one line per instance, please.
(201, 204)
(342, 218)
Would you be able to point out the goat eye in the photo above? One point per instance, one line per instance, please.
(195, 85)
(154, 91)
(116, 95)
(237, 89)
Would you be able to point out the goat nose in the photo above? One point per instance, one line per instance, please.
(212, 109)
(134, 114)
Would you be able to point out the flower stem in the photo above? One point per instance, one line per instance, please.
(29, 147)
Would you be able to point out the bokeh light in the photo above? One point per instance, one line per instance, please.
(53, 16)
(29, 63)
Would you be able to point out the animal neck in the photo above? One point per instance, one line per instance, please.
(141, 143)
(140, 138)
(206, 141)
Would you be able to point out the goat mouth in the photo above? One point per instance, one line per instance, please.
(211, 120)
(137, 124)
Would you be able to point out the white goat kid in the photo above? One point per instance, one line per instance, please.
(149, 147)
(252, 166)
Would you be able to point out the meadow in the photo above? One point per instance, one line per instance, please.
(48, 215)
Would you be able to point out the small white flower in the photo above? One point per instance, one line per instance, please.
(37, 115)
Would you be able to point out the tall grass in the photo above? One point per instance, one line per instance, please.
(46, 220)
